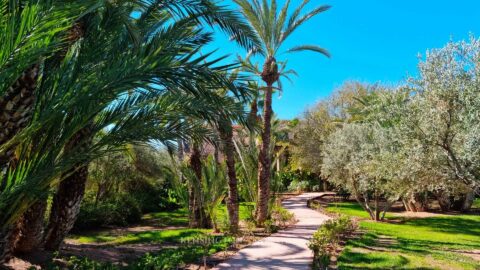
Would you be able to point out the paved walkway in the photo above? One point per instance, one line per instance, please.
(286, 249)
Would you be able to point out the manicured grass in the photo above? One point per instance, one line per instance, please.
(178, 217)
(422, 243)
(174, 235)
(174, 218)
(245, 211)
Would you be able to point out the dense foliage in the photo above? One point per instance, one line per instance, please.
(410, 143)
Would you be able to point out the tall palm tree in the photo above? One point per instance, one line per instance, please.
(273, 27)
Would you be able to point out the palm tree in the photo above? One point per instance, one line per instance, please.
(122, 85)
(29, 31)
(273, 29)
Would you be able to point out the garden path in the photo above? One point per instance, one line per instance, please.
(286, 249)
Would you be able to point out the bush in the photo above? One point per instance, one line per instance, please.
(282, 217)
(154, 198)
(120, 210)
(298, 186)
(325, 240)
(289, 177)
(279, 218)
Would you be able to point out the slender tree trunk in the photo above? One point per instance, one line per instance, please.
(69, 196)
(264, 160)
(198, 215)
(377, 207)
(269, 76)
(253, 115)
(232, 201)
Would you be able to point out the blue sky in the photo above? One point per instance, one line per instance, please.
(370, 41)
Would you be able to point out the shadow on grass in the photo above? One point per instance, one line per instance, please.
(350, 259)
(177, 217)
(451, 224)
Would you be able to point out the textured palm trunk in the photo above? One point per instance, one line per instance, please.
(31, 227)
(197, 214)
(226, 133)
(69, 196)
(264, 160)
(16, 108)
(270, 76)
(8, 240)
(253, 115)
(18, 104)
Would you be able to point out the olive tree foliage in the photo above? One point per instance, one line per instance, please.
(353, 154)
(309, 138)
(318, 122)
(441, 126)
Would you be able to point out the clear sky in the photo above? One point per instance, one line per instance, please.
(370, 41)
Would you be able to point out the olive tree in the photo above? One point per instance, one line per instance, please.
(353, 154)
(443, 116)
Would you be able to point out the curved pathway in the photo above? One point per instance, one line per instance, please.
(286, 249)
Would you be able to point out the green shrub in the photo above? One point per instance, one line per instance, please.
(289, 176)
(120, 210)
(154, 198)
(326, 239)
(298, 186)
(281, 216)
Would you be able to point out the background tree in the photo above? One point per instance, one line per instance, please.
(273, 27)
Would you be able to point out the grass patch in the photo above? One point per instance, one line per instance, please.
(245, 211)
(174, 218)
(174, 235)
(421, 243)
(177, 217)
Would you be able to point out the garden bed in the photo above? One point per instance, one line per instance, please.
(434, 241)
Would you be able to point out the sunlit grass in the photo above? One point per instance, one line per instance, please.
(421, 243)
(175, 218)
(245, 211)
(178, 217)
(174, 235)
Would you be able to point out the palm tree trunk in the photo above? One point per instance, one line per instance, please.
(18, 104)
(269, 76)
(31, 228)
(264, 160)
(8, 241)
(69, 196)
(252, 116)
(198, 217)
(226, 133)
(16, 108)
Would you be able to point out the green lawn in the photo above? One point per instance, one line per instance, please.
(175, 218)
(422, 243)
(171, 235)
(245, 211)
